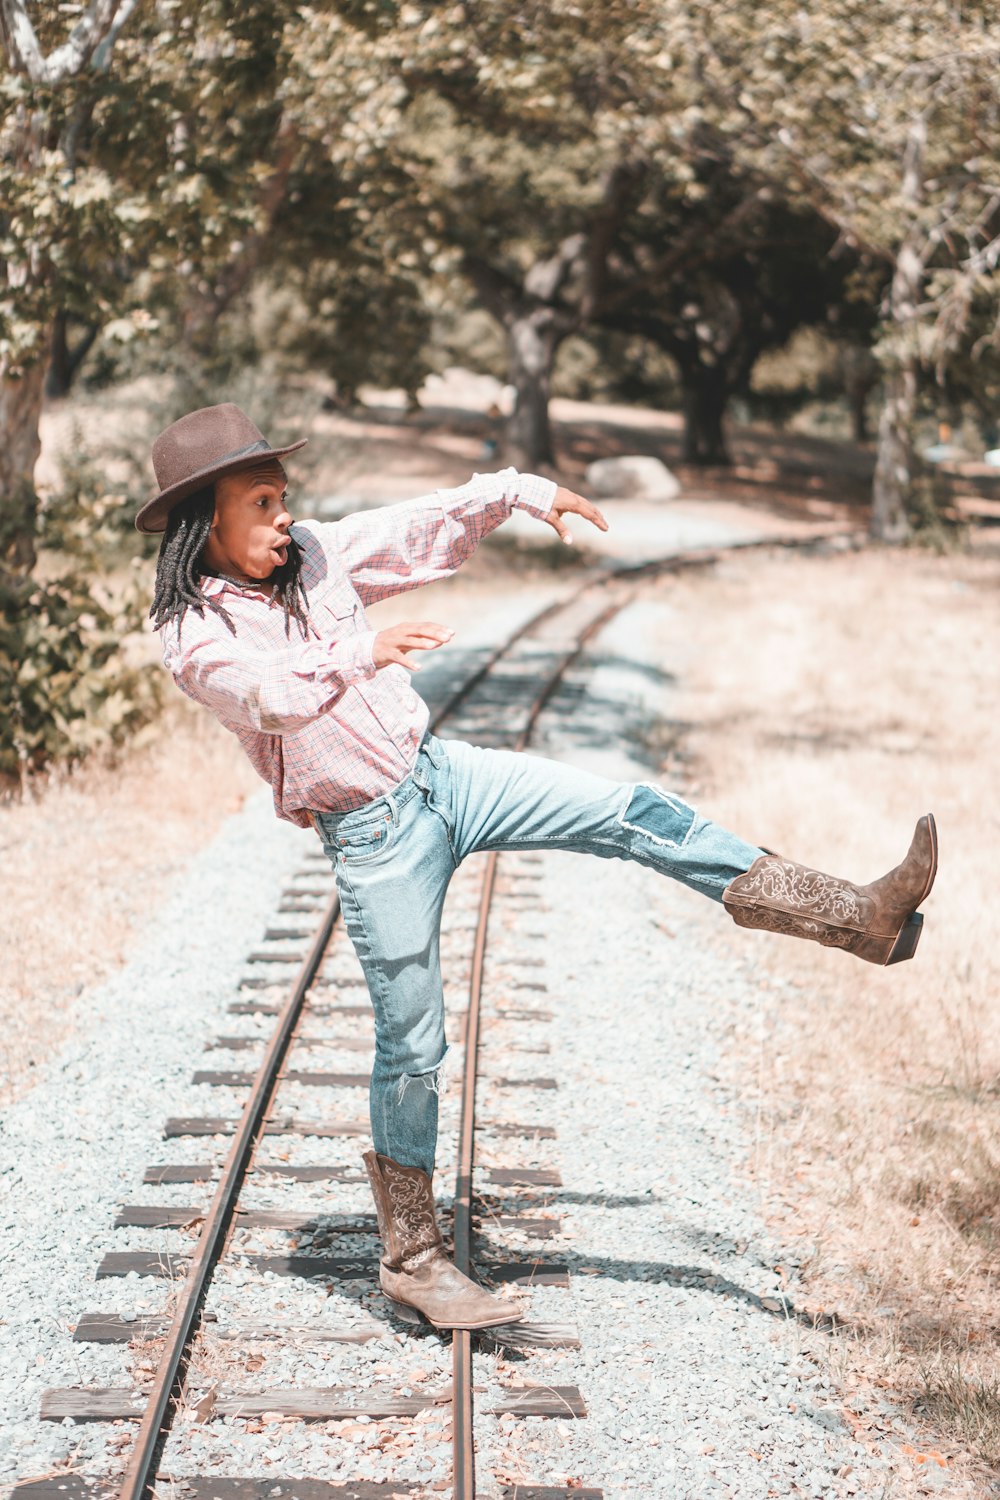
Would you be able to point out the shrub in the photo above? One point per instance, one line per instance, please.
(69, 681)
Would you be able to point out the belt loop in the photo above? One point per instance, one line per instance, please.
(430, 750)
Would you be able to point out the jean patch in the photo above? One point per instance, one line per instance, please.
(658, 816)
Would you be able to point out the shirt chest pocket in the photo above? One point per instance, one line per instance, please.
(337, 607)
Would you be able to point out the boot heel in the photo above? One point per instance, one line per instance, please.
(404, 1312)
(906, 939)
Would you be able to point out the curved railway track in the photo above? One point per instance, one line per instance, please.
(537, 655)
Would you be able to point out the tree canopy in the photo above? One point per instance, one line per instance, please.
(712, 178)
(559, 164)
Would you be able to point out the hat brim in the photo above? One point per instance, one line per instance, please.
(152, 518)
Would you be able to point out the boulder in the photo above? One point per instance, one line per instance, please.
(633, 476)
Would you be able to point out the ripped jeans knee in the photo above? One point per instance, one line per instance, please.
(431, 1079)
(404, 1112)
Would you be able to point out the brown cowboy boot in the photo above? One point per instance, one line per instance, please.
(878, 922)
(414, 1269)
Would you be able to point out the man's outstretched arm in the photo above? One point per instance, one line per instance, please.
(400, 547)
(278, 692)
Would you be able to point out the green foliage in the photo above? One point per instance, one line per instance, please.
(626, 170)
(934, 521)
(70, 682)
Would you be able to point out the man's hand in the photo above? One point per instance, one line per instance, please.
(566, 501)
(411, 635)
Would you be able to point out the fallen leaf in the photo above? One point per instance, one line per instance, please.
(202, 1410)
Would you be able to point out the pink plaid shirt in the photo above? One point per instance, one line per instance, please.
(326, 727)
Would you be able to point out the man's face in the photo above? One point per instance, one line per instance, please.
(249, 533)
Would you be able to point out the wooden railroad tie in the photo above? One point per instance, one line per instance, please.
(309, 1404)
(109, 1328)
(233, 1078)
(70, 1486)
(325, 1267)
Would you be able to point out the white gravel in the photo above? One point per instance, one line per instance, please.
(697, 1377)
(77, 1145)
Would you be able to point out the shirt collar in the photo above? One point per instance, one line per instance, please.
(213, 586)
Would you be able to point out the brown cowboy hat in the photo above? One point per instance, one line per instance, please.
(205, 444)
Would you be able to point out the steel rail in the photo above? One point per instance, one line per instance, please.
(463, 1416)
(170, 1370)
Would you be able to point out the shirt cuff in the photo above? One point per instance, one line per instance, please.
(353, 659)
(535, 494)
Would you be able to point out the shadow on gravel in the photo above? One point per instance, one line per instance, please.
(694, 1278)
(598, 723)
(526, 1204)
(653, 740)
(654, 674)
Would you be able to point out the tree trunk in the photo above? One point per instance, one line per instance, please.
(858, 397)
(65, 360)
(894, 452)
(20, 445)
(532, 341)
(705, 395)
(859, 375)
(894, 457)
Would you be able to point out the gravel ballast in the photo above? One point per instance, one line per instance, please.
(79, 1142)
(698, 1376)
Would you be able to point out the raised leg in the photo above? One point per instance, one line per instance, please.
(498, 799)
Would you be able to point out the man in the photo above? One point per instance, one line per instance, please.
(262, 620)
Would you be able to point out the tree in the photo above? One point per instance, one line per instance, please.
(148, 142)
(716, 268)
(523, 141)
(151, 139)
(47, 208)
(888, 118)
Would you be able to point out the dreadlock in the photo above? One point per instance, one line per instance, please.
(179, 572)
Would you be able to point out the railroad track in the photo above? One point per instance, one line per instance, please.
(498, 702)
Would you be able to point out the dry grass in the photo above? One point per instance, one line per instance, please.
(831, 701)
(84, 865)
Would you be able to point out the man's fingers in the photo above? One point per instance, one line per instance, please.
(592, 513)
(412, 635)
(403, 661)
(569, 500)
(417, 642)
(420, 630)
(559, 526)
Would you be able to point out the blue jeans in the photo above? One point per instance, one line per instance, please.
(393, 859)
